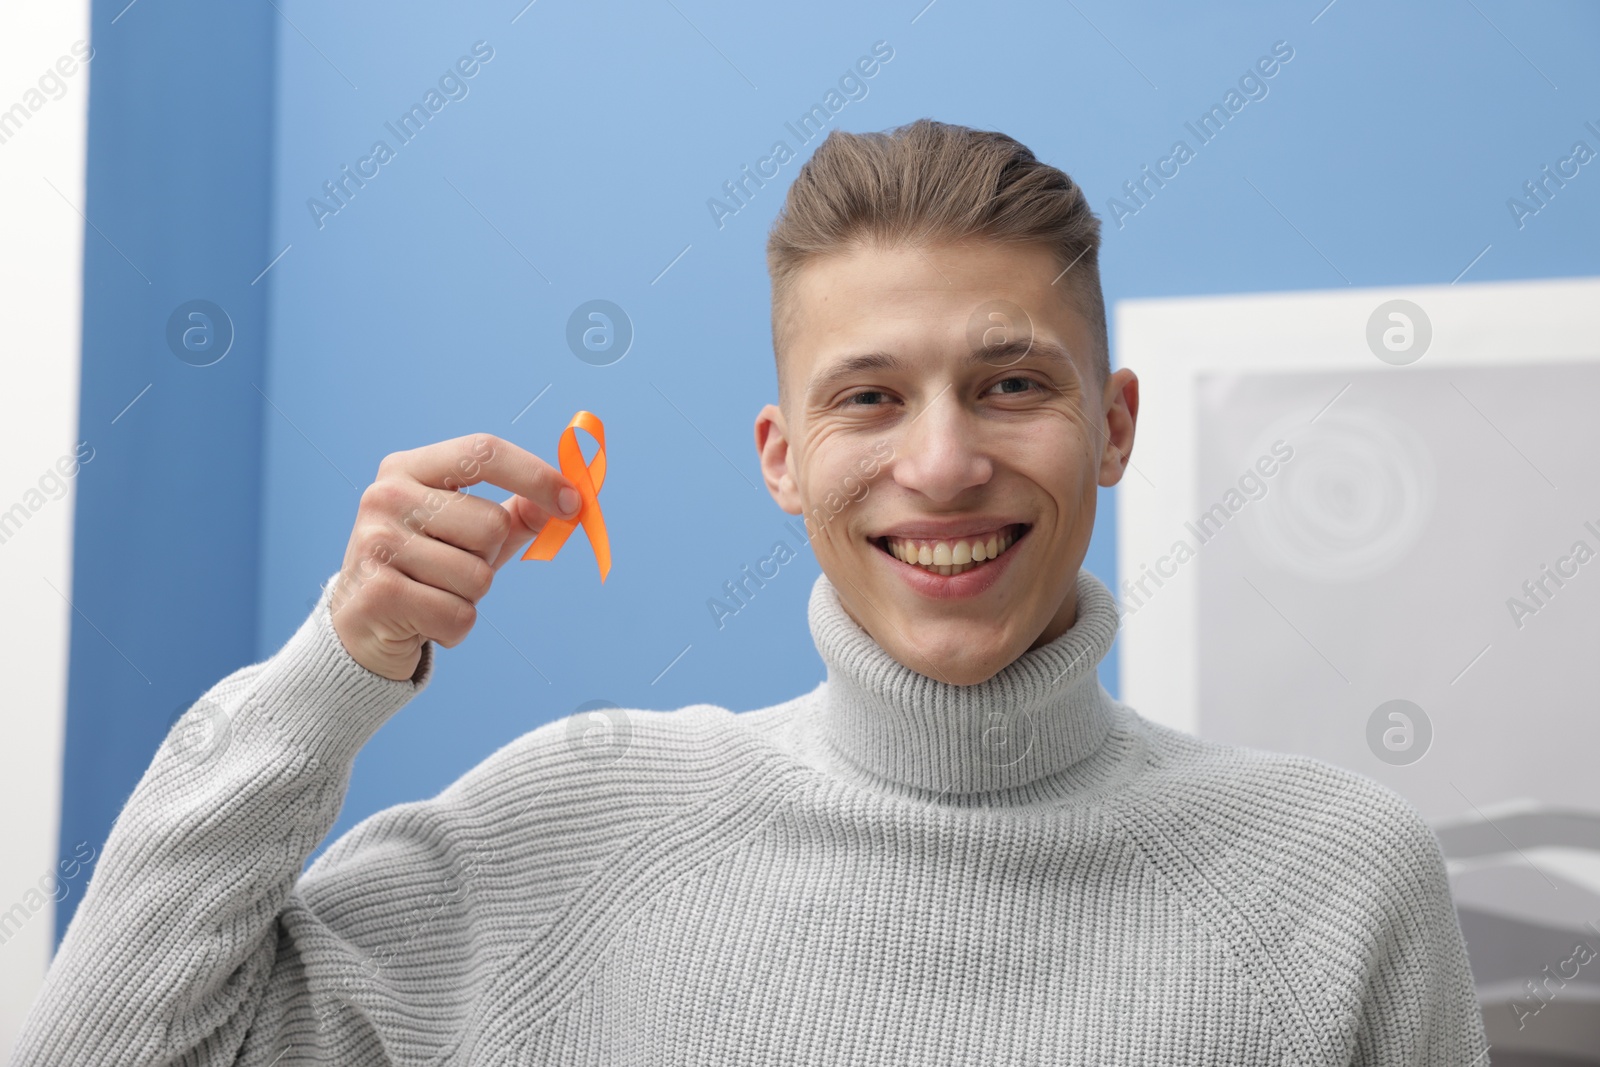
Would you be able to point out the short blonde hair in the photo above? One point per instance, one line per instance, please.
(927, 183)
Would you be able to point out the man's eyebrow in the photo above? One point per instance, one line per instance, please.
(1003, 355)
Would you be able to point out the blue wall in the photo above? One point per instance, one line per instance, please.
(166, 556)
(578, 165)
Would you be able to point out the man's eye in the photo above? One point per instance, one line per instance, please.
(1028, 382)
(857, 397)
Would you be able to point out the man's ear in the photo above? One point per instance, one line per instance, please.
(772, 444)
(1121, 413)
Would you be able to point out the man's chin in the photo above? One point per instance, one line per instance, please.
(963, 667)
(930, 641)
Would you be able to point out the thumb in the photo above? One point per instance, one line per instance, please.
(527, 519)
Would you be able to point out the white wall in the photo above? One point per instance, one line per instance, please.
(41, 246)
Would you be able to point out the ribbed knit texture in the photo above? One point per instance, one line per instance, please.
(889, 869)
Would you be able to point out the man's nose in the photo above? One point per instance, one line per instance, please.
(943, 450)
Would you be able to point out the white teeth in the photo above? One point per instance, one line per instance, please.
(946, 558)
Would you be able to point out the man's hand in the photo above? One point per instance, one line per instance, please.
(422, 554)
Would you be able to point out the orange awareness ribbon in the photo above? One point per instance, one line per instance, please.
(588, 479)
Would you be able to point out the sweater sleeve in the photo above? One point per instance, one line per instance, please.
(1420, 1008)
(169, 954)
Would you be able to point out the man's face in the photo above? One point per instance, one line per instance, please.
(927, 447)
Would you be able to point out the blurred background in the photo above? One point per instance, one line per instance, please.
(223, 304)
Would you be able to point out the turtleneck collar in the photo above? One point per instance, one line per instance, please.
(886, 726)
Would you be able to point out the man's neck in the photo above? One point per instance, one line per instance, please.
(885, 725)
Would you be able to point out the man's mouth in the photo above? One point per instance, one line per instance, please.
(952, 555)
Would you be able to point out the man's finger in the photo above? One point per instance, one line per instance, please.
(483, 457)
(436, 614)
(527, 519)
(444, 566)
(467, 522)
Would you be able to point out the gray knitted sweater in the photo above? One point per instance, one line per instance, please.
(888, 869)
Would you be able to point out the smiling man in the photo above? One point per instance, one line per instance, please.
(957, 849)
